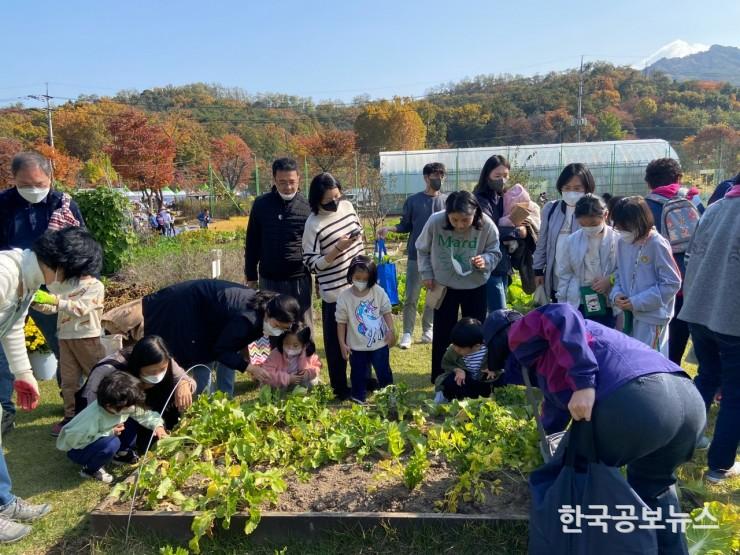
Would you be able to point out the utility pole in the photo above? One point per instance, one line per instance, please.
(48, 117)
(257, 174)
(47, 98)
(580, 100)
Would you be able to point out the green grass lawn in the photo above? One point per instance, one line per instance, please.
(42, 474)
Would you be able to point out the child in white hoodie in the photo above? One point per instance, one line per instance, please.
(587, 262)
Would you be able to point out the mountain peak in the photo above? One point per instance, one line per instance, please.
(676, 49)
(715, 63)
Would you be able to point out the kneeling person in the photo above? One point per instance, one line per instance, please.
(292, 362)
(104, 430)
(464, 365)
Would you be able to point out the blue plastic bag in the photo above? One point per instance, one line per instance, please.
(566, 485)
(387, 276)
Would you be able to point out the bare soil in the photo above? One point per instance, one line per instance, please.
(366, 487)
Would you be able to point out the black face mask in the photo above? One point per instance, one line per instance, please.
(435, 183)
(331, 206)
(496, 185)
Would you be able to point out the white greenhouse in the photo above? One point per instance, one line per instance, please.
(618, 166)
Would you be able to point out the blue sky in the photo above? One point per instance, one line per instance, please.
(331, 49)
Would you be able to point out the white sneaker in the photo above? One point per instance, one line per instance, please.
(439, 398)
(12, 531)
(405, 341)
(427, 337)
(719, 476)
(99, 474)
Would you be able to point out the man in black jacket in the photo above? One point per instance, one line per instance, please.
(25, 212)
(273, 254)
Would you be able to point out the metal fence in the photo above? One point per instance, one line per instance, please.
(618, 167)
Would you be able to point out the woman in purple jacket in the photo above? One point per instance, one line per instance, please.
(647, 413)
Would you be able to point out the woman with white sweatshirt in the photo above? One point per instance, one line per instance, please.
(56, 257)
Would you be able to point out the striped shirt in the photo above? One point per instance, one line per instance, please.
(321, 232)
(475, 361)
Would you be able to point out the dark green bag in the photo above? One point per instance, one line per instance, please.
(594, 304)
(629, 320)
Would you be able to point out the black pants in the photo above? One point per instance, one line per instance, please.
(334, 359)
(472, 304)
(669, 412)
(171, 417)
(298, 288)
(678, 334)
(608, 319)
(471, 389)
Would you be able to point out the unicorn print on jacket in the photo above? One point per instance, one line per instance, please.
(370, 323)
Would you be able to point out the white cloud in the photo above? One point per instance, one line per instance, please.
(676, 49)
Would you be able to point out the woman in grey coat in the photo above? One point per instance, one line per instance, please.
(558, 222)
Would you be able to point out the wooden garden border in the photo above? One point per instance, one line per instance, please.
(306, 525)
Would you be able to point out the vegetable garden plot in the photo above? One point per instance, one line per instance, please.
(298, 453)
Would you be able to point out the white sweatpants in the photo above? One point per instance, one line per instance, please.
(654, 336)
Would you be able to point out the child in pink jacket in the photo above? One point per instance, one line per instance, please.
(293, 361)
(513, 196)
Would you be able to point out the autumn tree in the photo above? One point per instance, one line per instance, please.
(192, 148)
(371, 201)
(99, 170)
(645, 109)
(26, 126)
(8, 149)
(390, 125)
(81, 129)
(609, 127)
(713, 147)
(328, 149)
(142, 153)
(232, 159)
(65, 168)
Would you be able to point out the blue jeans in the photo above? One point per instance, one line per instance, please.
(6, 496)
(225, 378)
(496, 292)
(360, 362)
(100, 452)
(719, 368)
(6, 384)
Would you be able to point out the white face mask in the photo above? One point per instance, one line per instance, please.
(627, 236)
(292, 352)
(592, 231)
(360, 285)
(287, 197)
(155, 378)
(270, 330)
(61, 288)
(572, 197)
(33, 194)
(458, 268)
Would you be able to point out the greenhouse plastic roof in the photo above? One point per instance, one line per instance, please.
(638, 152)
